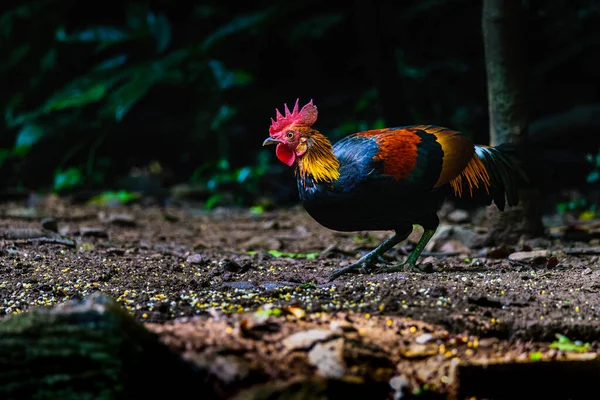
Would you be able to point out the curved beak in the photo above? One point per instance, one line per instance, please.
(270, 140)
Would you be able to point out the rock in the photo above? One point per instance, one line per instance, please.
(447, 232)
(306, 339)
(277, 286)
(486, 343)
(194, 259)
(243, 285)
(261, 242)
(498, 252)
(230, 265)
(401, 385)
(50, 224)
(458, 216)
(227, 372)
(455, 246)
(341, 326)
(124, 220)
(424, 338)
(416, 350)
(328, 358)
(533, 257)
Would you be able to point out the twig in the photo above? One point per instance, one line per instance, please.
(64, 242)
(440, 254)
(583, 252)
(61, 241)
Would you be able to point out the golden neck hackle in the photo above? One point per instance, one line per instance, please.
(319, 161)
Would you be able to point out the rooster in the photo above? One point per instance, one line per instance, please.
(388, 179)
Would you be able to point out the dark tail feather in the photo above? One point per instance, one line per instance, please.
(505, 171)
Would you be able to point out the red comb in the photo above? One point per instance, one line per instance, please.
(307, 116)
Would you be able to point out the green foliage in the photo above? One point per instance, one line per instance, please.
(563, 343)
(67, 179)
(278, 254)
(114, 197)
(535, 356)
(268, 312)
(594, 175)
(131, 59)
(241, 181)
(198, 82)
(29, 135)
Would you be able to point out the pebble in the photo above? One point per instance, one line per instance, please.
(328, 357)
(458, 216)
(230, 266)
(194, 259)
(424, 338)
(536, 256)
(305, 339)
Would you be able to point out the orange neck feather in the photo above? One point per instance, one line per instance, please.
(319, 160)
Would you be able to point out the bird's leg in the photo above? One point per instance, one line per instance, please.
(411, 261)
(370, 258)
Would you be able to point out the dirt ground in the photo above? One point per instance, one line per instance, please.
(206, 280)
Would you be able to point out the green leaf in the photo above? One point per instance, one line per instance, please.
(308, 285)
(226, 78)
(275, 253)
(121, 196)
(160, 28)
(535, 356)
(121, 100)
(243, 174)
(253, 209)
(29, 135)
(212, 201)
(237, 25)
(49, 60)
(565, 344)
(315, 27)
(67, 179)
(111, 63)
(16, 57)
(593, 176)
(4, 155)
(93, 34)
(224, 114)
(80, 92)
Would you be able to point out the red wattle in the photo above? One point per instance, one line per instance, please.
(285, 155)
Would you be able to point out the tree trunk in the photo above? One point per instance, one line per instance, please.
(504, 37)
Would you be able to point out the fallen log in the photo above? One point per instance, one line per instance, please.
(90, 349)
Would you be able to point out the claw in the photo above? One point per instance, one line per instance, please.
(404, 267)
(364, 265)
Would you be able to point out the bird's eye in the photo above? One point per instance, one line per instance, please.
(290, 135)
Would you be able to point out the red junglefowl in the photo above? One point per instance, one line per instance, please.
(388, 179)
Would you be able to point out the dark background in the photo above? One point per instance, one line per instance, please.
(141, 96)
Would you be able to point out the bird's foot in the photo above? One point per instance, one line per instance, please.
(404, 267)
(364, 265)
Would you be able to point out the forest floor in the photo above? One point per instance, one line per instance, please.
(251, 291)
